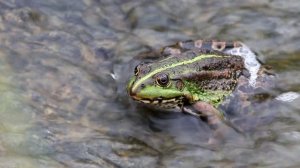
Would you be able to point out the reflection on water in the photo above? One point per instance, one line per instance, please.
(60, 106)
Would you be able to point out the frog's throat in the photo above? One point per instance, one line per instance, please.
(195, 59)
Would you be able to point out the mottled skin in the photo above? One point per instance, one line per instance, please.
(193, 76)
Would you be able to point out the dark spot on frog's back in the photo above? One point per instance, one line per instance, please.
(238, 62)
(229, 85)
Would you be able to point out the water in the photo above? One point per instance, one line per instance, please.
(64, 65)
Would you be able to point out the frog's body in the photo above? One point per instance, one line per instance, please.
(197, 73)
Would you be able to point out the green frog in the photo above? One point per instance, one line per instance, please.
(200, 78)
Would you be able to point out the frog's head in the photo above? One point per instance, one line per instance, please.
(155, 84)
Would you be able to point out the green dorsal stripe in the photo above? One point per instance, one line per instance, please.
(198, 58)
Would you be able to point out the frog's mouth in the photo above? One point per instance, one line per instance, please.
(162, 102)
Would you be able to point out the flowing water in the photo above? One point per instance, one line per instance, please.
(64, 65)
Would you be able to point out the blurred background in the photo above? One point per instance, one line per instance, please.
(64, 65)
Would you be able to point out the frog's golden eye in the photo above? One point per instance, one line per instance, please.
(162, 79)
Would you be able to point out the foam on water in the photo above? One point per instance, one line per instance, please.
(251, 63)
(288, 96)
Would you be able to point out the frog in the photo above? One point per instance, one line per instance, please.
(202, 78)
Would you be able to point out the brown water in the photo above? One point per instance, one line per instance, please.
(62, 107)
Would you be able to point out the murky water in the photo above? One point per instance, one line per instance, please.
(62, 107)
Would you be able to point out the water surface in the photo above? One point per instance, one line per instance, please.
(62, 107)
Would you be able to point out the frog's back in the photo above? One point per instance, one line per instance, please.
(205, 45)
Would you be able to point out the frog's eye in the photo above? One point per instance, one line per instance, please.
(136, 70)
(162, 79)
